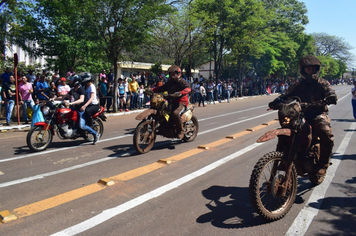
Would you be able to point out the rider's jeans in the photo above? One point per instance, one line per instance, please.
(9, 107)
(82, 124)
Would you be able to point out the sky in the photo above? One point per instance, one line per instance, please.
(334, 17)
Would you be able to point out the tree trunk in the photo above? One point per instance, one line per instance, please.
(114, 104)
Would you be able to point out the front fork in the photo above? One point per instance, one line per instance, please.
(292, 155)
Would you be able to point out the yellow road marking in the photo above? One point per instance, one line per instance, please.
(138, 172)
(57, 200)
(1, 173)
(93, 188)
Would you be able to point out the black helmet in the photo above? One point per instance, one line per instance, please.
(87, 77)
(76, 79)
(309, 61)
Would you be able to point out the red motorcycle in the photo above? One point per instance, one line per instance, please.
(63, 121)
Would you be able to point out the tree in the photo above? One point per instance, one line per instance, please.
(122, 25)
(332, 45)
(14, 15)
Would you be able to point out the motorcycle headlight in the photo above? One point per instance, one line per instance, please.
(45, 110)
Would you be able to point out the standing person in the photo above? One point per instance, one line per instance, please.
(103, 90)
(141, 96)
(210, 88)
(9, 95)
(56, 78)
(109, 94)
(133, 88)
(127, 92)
(1, 100)
(176, 85)
(111, 89)
(70, 72)
(5, 77)
(353, 100)
(31, 77)
(52, 92)
(121, 95)
(25, 91)
(202, 94)
(63, 88)
(228, 91)
(103, 74)
(313, 89)
(42, 89)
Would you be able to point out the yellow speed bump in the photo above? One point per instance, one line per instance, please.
(165, 161)
(7, 216)
(106, 182)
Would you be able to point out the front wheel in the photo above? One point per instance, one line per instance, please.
(38, 138)
(266, 189)
(191, 129)
(144, 136)
(98, 126)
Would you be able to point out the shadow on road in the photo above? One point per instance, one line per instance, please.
(230, 206)
(54, 145)
(341, 210)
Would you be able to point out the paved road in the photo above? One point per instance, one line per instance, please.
(202, 192)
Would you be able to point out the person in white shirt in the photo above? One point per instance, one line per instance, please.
(63, 88)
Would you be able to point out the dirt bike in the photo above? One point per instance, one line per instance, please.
(157, 121)
(273, 182)
(63, 121)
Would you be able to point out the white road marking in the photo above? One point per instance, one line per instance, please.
(109, 213)
(306, 215)
(59, 149)
(1, 173)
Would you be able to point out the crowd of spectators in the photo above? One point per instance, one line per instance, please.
(42, 86)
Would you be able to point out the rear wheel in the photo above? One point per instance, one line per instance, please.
(144, 136)
(98, 126)
(266, 187)
(191, 129)
(38, 138)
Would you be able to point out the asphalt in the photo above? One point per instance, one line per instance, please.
(21, 126)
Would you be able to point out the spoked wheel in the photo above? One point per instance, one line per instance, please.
(38, 138)
(266, 187)
(98, 126)
(191, 129)
(144, 136)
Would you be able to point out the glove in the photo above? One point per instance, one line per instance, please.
(148, 92)
(332, 99)
(177, 94)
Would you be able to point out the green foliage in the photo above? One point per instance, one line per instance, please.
(265, 36)
(156, 68)
(331, 68)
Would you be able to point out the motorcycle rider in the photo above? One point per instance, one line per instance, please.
(91, 104)
(312, 89)
(77, 95)
(179, 87)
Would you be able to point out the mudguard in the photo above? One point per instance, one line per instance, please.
(45, 125)
(146, 113)
(272, 134)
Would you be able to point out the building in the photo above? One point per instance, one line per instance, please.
(23, 56)
(206, 69)
(126, 68)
